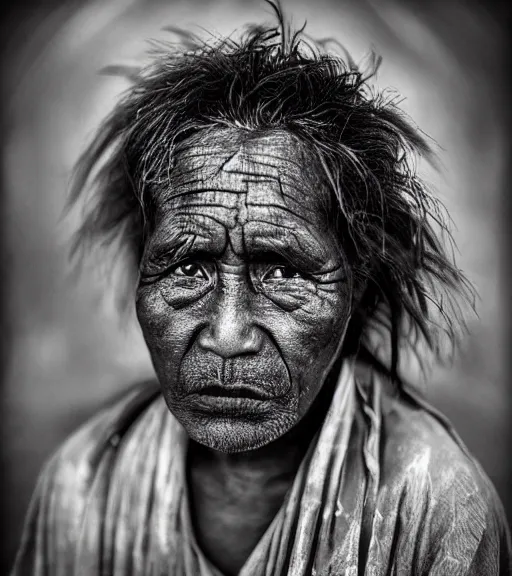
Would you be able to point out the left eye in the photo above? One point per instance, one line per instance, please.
(281, 272)
(190, 270)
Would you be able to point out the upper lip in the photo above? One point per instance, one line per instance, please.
(233, 392)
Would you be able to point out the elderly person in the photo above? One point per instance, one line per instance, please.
(268, 199)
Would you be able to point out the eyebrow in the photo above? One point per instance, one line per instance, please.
(310, 258)
(180, 243)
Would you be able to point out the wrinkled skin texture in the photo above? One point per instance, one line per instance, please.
(244, 300)
(244, 294)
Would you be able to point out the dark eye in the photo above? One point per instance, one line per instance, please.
(190, 270)
(281, 273)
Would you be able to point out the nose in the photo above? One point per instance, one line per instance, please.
(231, 331)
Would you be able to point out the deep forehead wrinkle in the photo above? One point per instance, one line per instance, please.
(230, 160)
(257, 193)
(204, 231)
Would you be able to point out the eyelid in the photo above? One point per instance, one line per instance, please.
(273, 259)
(168, 268)
(172, 269)
(271, 268)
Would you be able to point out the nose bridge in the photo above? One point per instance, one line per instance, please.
(232, 317)
(231, 330)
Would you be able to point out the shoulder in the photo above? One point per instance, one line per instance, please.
(442, 490)
(74, 464)
(54, 520)
(420, 442)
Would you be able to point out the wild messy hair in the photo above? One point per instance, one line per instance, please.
(393, 230)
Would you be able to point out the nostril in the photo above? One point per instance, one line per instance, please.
(252, 343)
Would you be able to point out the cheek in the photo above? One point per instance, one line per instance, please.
(167, 331)
(309, 337)
(316, 324)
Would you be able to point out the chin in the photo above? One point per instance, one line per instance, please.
(237, 432)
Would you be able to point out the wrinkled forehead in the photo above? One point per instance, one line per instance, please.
(253, 192)
(271, 168)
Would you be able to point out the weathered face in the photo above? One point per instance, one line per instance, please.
(244, 295)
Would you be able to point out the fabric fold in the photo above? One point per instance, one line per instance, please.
(385, 487)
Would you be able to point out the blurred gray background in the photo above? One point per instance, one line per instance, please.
(64, 349)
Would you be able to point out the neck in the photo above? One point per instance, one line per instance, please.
(234, 497)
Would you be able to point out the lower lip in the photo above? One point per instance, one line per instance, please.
(226, 403)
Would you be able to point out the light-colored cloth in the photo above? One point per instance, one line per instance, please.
(386, 488)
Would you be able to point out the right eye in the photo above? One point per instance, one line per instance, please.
(190, 270)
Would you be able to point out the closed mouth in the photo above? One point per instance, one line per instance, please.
(233, 392)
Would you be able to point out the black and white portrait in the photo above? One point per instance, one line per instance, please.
(254, 291)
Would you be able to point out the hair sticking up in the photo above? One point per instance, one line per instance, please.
(392, 228)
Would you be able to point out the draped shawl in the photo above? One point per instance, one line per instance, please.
(386, 487)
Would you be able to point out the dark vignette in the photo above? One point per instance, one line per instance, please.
(28, 27)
